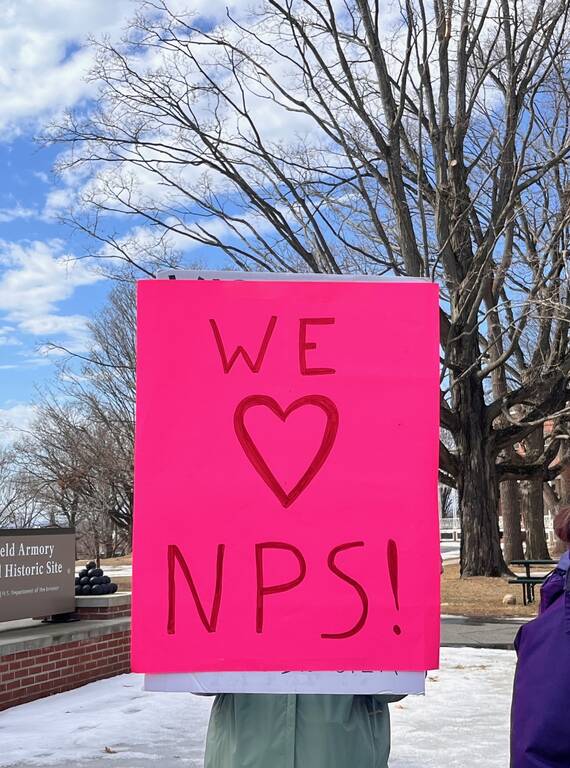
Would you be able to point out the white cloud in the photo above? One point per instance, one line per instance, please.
(44, 60)
(14, 420)
(15, 212)
(35, 278)
(8, 336)
(57, 202)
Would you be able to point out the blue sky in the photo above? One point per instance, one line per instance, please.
(43, 296)
(46, 294)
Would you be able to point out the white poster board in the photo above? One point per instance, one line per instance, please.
(290, 682)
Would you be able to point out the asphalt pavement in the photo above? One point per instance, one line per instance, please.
(465, 632)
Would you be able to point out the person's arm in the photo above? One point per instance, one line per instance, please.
(388, 698)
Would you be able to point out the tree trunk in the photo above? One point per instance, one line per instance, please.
(532, 503)
(96, 544)
(108, 538)
(509, 492)
(533, 514)
(560, 547)
(481, 553)
(565, 487)
(555, 502)
(512, 533)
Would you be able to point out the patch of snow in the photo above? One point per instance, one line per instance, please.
(111, 570)
(110, 721)
(463, 722)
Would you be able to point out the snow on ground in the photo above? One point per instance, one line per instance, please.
(449, 550)
(463, 722)
(115, 571)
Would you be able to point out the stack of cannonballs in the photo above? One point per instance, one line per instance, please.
(92, 581)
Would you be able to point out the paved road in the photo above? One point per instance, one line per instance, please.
(459, 631)
(449, 550)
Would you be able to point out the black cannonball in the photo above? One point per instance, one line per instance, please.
(95, 572)
(76, 580)
(106, 589)
(91, 564)
(82, 572)
(86, 589)
(95, 580)
(114, 588)
(78, 589)
(84, 580)
(106, 579)
(97, 589)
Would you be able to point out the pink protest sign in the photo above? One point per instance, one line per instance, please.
(286, 476)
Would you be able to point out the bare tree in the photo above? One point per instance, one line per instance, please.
(49, 462)
(18, 506)
(411, 139)
(103, 386)
(69, 465)
(8, 495)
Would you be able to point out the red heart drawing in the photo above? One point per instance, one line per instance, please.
(253, 454)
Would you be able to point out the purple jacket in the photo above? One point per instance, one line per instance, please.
(540, 717)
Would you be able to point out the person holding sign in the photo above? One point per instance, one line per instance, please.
(299, 731)
(274, 419)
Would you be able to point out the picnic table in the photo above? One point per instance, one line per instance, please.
(529, 582)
